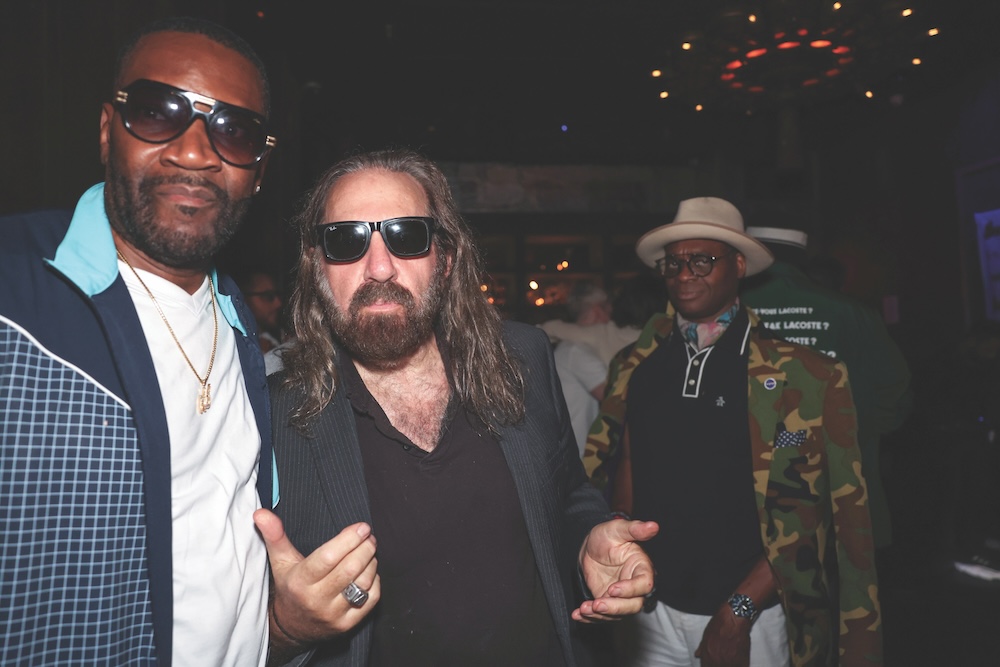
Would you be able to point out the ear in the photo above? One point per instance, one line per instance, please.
(107, 115)
(450, 259)
(741, 266)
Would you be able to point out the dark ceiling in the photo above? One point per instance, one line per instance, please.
(570, 80)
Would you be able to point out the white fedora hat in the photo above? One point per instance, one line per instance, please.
(705, 218)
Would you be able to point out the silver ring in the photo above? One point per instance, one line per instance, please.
(355, 595)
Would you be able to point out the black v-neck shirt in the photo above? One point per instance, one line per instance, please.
(459, 582)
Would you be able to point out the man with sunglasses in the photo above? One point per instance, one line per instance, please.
(408, 405)
(261, 293)
(134, 421)
(743, 448)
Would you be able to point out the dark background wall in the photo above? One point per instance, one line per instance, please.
(877, 186)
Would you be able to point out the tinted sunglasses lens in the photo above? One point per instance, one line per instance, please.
(406, 237)
(156, 115)
(346, 242)
(239, 137)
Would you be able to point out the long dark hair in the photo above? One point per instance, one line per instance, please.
(484, 373)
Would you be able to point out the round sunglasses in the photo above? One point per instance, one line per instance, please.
(157, 113)
(348, 241)
(699, 265)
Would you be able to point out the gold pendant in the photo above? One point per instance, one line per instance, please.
(204, 398)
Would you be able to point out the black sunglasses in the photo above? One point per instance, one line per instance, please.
(348, 241)
(157, 113)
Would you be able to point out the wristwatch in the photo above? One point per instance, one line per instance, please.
(743, 606)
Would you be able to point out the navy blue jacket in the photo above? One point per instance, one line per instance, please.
(85, 560)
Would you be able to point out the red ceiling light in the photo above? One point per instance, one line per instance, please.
(736, 84)
(810, 82)
(756, 53)
(756, 89)
(735, 64)
(802, 32)
(784, 46)
(820, 43)
(841, 50)
(833, 72)
(728, 76)
(845, 61)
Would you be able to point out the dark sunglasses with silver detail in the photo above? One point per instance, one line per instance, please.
(156, 113)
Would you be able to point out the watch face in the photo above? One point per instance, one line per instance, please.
(742, 606)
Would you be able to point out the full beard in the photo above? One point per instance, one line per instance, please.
(132, 213)
(384, 341)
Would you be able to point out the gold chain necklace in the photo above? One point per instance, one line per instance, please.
(204, 401)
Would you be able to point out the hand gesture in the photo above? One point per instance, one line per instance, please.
(616, 569)
(308, 604)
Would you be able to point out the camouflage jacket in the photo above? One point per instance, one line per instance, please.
(808, 494)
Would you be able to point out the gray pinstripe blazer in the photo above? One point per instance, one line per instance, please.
(322, 485)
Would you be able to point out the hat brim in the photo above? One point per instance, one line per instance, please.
(650, 247)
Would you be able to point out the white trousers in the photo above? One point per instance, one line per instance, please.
(666, 637)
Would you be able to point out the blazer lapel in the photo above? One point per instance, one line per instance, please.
(538, 506)
(338, 462)
(765, 387)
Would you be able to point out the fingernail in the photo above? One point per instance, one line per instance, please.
(364, 530)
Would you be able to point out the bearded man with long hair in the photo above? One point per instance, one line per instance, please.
(431, 438)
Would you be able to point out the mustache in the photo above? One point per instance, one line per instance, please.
(150, 183)
(370, 293)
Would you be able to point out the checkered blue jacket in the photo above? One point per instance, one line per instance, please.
(85, 522)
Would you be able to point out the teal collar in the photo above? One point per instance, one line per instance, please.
(87, 254)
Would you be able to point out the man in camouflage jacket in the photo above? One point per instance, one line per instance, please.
(811, 498)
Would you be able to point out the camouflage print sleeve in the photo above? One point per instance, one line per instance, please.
(860, 615)
(601, 452)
